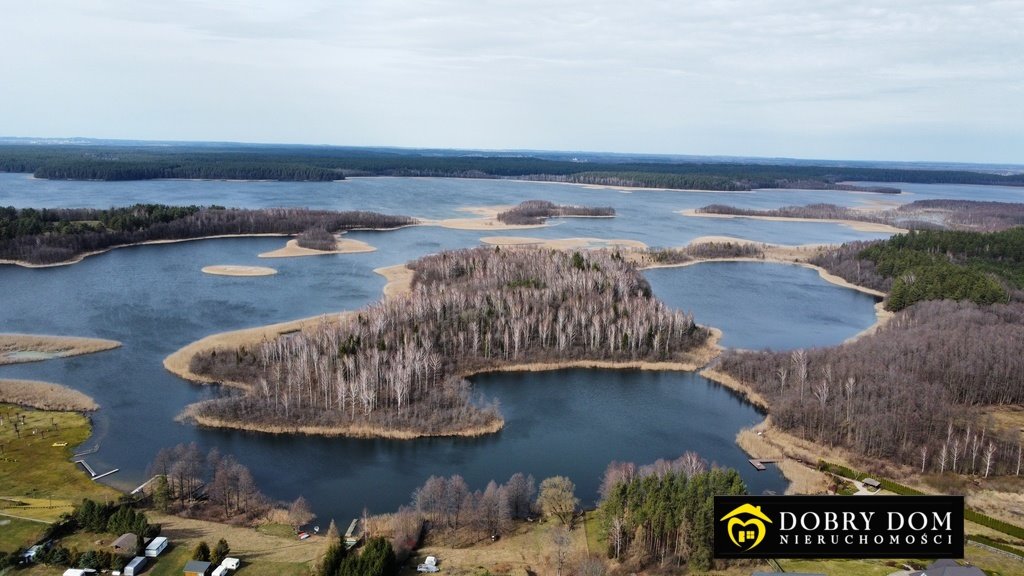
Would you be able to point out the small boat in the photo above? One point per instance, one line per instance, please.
(303, 535)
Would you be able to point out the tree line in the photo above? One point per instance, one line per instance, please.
(968, 215)
(298, 163)
(983, 268)
(663, 514)
(701, 251)
(397, 365)
(211, 485)
(51, 236)
(912, 393)
(537, 211)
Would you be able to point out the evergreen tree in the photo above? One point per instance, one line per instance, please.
(201, 552)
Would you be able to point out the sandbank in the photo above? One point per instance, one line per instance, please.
(564, 243)
(399, 279)
(232, 270)
(853, 224)
(45, 396)
(16, 348)
(344, 246)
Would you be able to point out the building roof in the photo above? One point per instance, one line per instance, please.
(137, 561)
(197, 566)
(125, 542)
(156, 542)
(872, 482)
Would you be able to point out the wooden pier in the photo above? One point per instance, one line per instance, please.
(758, 463)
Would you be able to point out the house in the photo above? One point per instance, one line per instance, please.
(156, 546)
(231, 563)
(946, 567)
(134, 568)
(125, 544)
(197, 568)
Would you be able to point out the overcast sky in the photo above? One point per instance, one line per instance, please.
(886, 80)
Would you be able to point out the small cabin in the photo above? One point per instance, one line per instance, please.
(197, 568)
(872, 483)
(135, 567)
(156, 546)
(354, 534)
(125, 544)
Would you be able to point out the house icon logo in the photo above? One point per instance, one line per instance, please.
(746, 526)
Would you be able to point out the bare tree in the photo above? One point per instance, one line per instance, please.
(989, 453)
(558, 498)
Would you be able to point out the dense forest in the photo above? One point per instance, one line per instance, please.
(663, 514)
(909, 393)
(537, 211)
(55, 235)
(397, 365)
(984, 268)
(92, 162)
(957, 344)
(918, 215)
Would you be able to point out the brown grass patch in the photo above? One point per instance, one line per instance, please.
(246, 543)
(15, 348)
(45, 396)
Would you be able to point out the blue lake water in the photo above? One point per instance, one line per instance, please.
(154, 299)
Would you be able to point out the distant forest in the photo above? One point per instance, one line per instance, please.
(55, 235)
(90, 162)
(398, 365)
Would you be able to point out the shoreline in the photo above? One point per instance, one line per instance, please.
(45, 396)
(399, 279)
(574, 243)
(347, 431)
(85, 255)
(858, 225)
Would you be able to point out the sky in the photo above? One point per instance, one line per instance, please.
(860, 80)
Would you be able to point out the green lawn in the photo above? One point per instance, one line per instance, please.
(35, 471)
(15, 533)
(282, 530)
(170, 562)
(595, 540)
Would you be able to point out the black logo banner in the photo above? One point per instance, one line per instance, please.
(839, 527)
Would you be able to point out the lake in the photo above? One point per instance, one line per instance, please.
(154, 299)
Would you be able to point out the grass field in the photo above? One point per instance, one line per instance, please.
(37, 480)
(15, 533)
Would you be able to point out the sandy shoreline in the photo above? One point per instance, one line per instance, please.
(853, 224)
(178, 363)
(486, 219)
(349, 431)
(232, 270)
(344, 246)
(45, 396)
(563, 243)
(17, 348)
